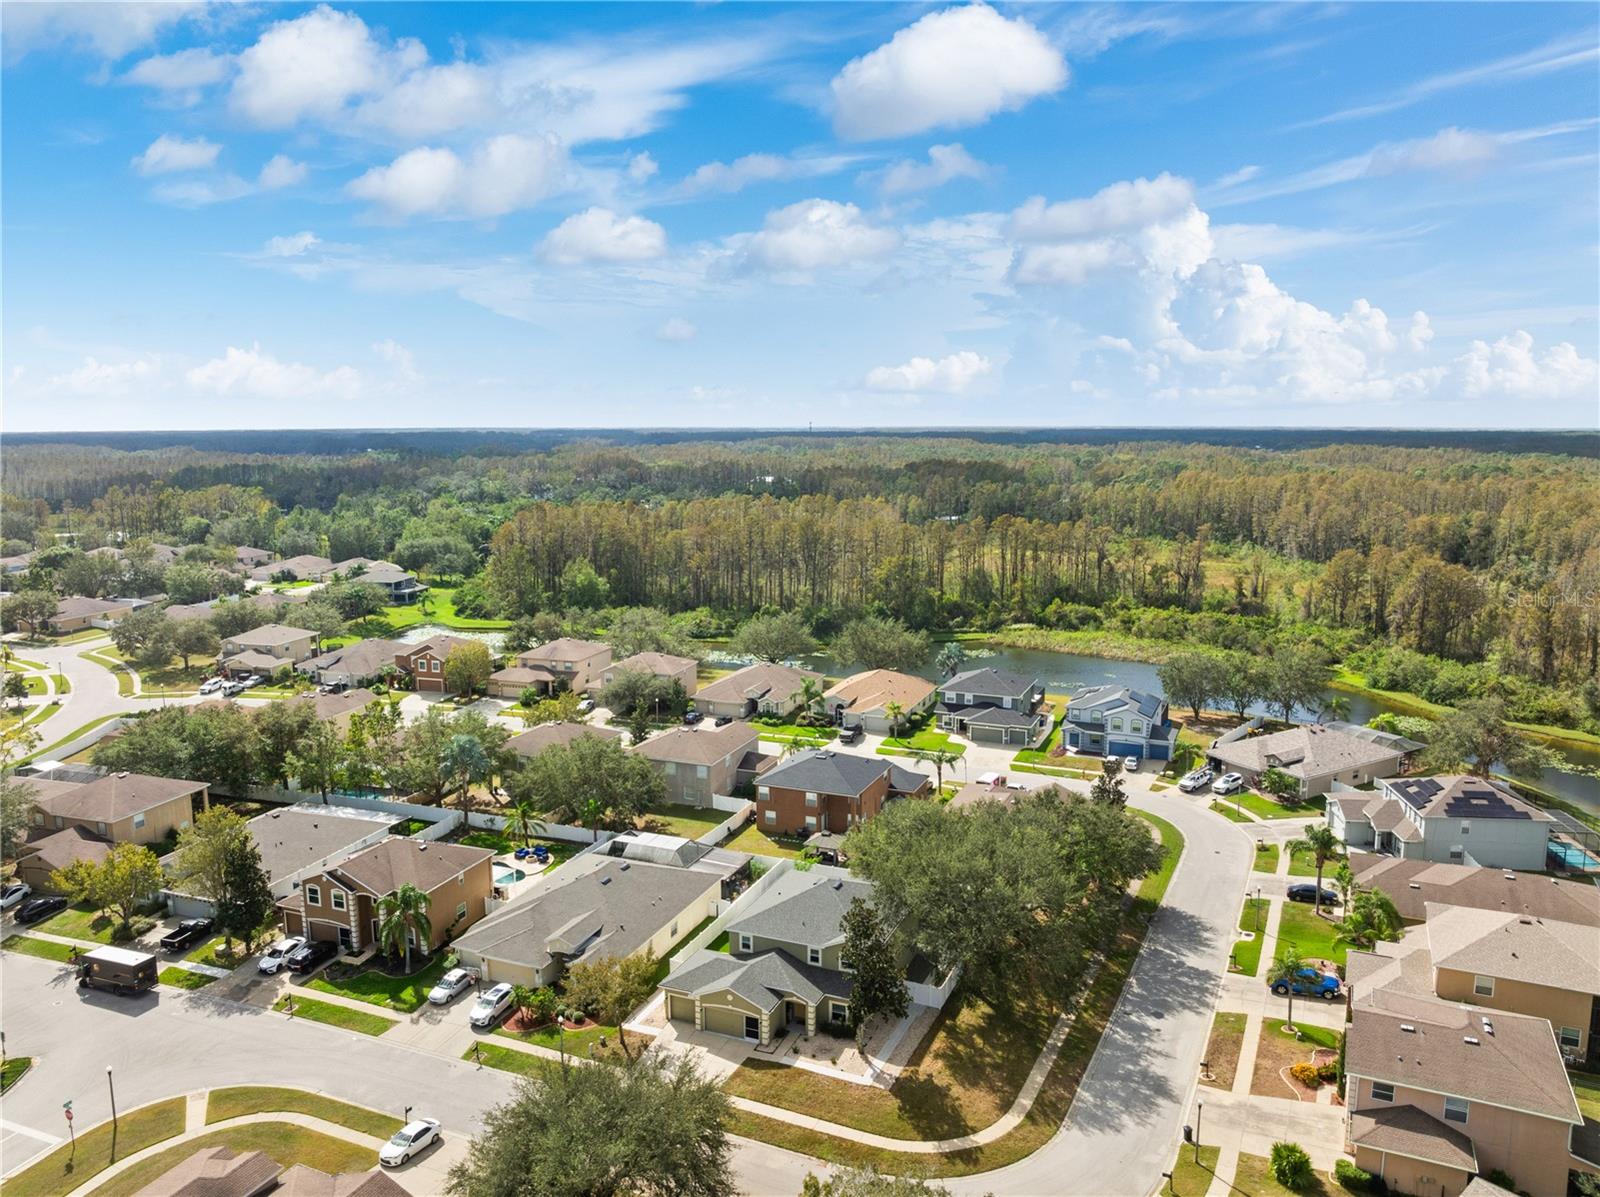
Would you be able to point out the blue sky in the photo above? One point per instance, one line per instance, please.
(848, 215)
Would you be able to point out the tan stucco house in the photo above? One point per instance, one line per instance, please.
(577, 665)
(683, 670)
(700, 762)
(760, 689)
(862, 699)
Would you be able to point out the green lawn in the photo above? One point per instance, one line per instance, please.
(169, 679)
(335, 1016)
(117, 668)
(1191, 1178)
(1266, 859)
(14, 1070)
(509, 1059)
(691, 822)
(755, 841)
(719, 944)
(792, 731)
(1052, 771)
(1271, 808)
(403, 994)
(926, 739)
(1253, 1178)
(222, 1104)
(69, 1166)
(80, 922)
(439, 607)
(211, 952)
(45, 949)
(1312, 936)
(1586, 1085)
(1228, 812)
(577, 1042)
(283, 1141)
(182, 978)
(1304, 864)
(1247, 955)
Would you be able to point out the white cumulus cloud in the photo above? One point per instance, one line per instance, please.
(600, 235)
(95, 378)
(168, 154)
(952, 68)
(1131, 204)
(504, 174)
(281, 171)
(945, 162)
(762, 168)
(254, 374)
(815, 233)
(183, 76)
(947, 375)
(291, 246)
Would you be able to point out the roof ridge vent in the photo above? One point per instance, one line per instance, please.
(1470, 1039)
(1408, 1028)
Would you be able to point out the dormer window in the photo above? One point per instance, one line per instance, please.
(814, 955)
(744, 942)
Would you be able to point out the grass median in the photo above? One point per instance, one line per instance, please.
(342, 1017)
(283, 1141)
(243, 1100)
(74, 1164)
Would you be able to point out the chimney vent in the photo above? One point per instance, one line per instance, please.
(1472, 1039)
(1408, 1028)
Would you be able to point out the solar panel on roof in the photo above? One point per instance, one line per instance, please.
(1417, 793)
(1482, 804)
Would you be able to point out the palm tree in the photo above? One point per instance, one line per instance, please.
(808, 697)
(524, 820)
(1336, 706)
(1323, 846)
(950, 659)
(940, 759)
(402, 915)
(1185, 756)
(896, 714)
(800, 744)
(466, 762)
(1287, 967)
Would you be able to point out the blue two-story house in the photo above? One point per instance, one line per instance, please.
(1119, 721)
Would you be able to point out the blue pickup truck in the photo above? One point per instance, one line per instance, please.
(1310, 982)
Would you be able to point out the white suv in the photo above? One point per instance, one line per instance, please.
(491, 1004)
(1228, 783)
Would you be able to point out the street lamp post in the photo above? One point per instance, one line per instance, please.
(111, 1085)
(1199, 1112)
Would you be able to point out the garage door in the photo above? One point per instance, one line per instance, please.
(725, 1021)
(680, 1008)
(184, 907)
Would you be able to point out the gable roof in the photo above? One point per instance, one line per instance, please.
(694, 746)
(216, 1172)
(1514, 947)
(1304, 752)
(60, 848)
(761, 680)
(611, 909)
(396, 861)
(271, 635)
(1412, 884)
(296, 837)
(359, 659)
(873, 690)
(660, 664)
(76, 606)
(763, 980)
(536, 739)
(1408, 1131)
(803, 907)
(305, 563)
(825, 771)
(440, 646)
(117, 796)
(522, 675)
(991, 681)
(305, 1181)
(1462, 796)
(1119, 698)
(566, 648)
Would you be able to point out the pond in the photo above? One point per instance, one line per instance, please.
(419, 632)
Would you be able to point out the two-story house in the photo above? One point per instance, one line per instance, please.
(698, 763)
(1455, 818)
(640, 894)
(764, 688)
(73, 821)
(683, 670)
(784, 967)
(824, 790)
(864, 699)
(1119, 721)
(398, 585)
(1436, 1092)
(341, 902)
(576, 665)
(267, 649)
(1412, 884)
(424, 661)
(995, 706)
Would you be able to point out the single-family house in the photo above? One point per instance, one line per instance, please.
(247, 558)
(44, 852)
(576, 665)
(825, 790)
(18, 564)
(995, 706)
(399, 586)
(598, 907)
(1119, 721)
(76, 612)
(510, 682)
(683, 670)
(302, 1180)
(760, 689)
(1436, 1092)
(216, 1172)
(784, 967)
(1412, 884)
(535, 740)
(340, 902)
(1454, 818)
(424, 661)
(183, 612)
(339, 706)
(863, 699)
(699, 763)
(305, 568)
(1314, 756)
(359, 567)
(125, 808)
(356, 664)
(266, 649)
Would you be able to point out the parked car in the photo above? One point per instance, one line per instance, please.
(1130, 764)
(692, 717)
(35, 909)
(212, 684)
(411, 1139)
(278, 954)
(1228, 783)
(585, 706)
(1195, 781)
(454, 982)
(1310, 982)
(13, 894)
(186, 934)
(851, 735)
(229, 689)
(312, 954)
(722, 720)
(491, 1004)
(1307, 892)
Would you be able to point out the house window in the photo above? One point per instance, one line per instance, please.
(1382, 1091)
(1466, 829)
(1571, 1038)
(1456, 1109)
(838, 1012)
(1134, 725)
(699, 770)
(811, 822)
(763, 793)
(313, 895)
(1007, 704)
(744, 942)
(814, 955)
(811, 801)
(138, 821)
(435, 667)
(1483, 986)
(672, 771)
(336, 899)
(100, 827)
(1116, 724)
(461, 910)
(769, 817)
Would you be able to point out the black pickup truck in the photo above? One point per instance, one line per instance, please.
(185, 935)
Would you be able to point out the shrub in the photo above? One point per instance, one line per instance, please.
(1291, 1166)
(1328, 1072)
(1357, 1180)
(1306, 1073)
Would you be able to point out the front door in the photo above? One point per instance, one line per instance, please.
(344, 938)
(752, 1028)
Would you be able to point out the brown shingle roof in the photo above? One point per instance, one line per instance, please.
(696, 746)
(1469, 885)
(76, 606)
(660, 664)
(1515, 947)
(757, 681)
(391, 863)
(216, 1172)
(118, 796)
(305, 1181)
(871, 691)
(1408, 1131)
(60, 848)
(564, 649)
(547, 735)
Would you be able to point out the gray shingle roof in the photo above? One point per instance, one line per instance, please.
(117, 796)
(825, 771)
(547, 735)
(699, 746)
(270, 635)
(1469, 885)
(763, 980)
(1118, 697)
(1515, 947)
(297, 837)
(758, 681)
(803, 907)
(1304, 752)
(990, 681)
(1461, 796)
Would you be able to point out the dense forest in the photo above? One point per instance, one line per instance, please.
(1448, 569)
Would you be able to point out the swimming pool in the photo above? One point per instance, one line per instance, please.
(1573, 857)
(508, 874)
